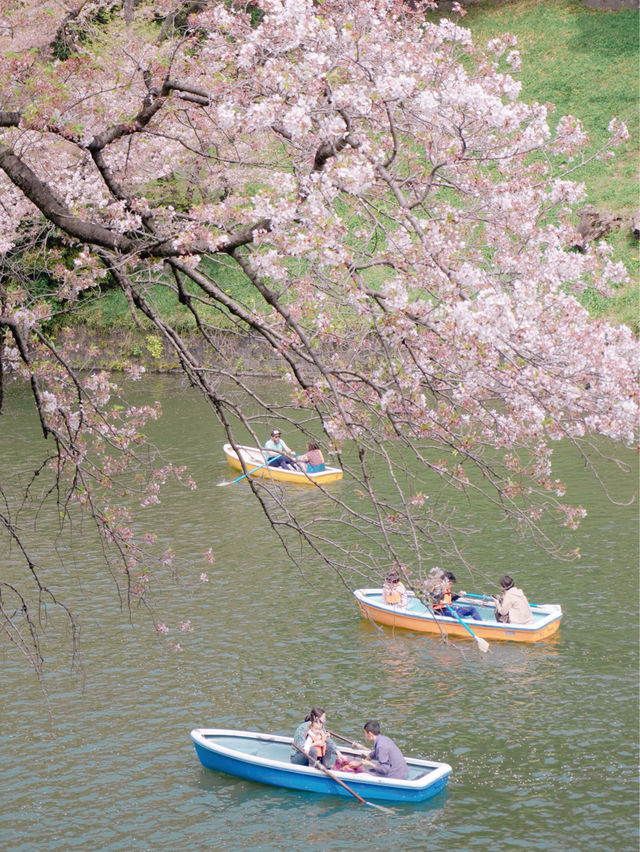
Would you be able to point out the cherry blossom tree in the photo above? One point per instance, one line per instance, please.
(400, 216)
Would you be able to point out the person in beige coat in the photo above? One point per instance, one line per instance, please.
(512, 605)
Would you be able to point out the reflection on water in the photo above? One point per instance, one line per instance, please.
(542, 737)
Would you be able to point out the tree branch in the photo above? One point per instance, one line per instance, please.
(55, 210)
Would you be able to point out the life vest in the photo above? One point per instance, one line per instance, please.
(318, 741)
(446, 598)
(392, 597)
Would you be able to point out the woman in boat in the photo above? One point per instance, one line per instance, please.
(393, 590)
(311, 736)
(279, 453)
(316, 739)
(512, 605)
(313, 457)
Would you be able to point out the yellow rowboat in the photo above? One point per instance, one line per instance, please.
(255, 461)
(416, 616)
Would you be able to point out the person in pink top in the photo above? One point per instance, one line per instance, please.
(313, 457)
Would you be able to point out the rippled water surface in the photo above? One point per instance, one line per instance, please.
(542, 739)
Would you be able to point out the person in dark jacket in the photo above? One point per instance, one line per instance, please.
(463, 610)
(385, 758)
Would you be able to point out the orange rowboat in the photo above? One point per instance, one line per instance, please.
(416, 616)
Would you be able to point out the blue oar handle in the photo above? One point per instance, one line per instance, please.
(487, 598)
(260, 466)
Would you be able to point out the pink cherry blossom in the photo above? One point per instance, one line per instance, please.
(399, 234)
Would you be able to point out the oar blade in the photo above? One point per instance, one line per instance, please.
(482, 644)
(248, 473)
(379, 807)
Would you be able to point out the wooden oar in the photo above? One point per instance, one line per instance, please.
(352, 743)
(248, 473)
(482, 643)
(319, 765)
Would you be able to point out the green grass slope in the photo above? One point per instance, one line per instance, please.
(586, 63)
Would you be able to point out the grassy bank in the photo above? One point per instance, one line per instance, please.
(586, 63)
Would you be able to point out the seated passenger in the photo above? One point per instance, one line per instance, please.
(315, 743)
(385, 757)
(436, 590)
(463, 610)
(311, 736)
(313, 457)
(512, 605)
(394, 591)
(278, 452)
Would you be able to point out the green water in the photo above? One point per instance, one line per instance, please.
(543, 739)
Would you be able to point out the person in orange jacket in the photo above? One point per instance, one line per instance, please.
(393, 590)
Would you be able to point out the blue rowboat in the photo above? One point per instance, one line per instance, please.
(265, 758)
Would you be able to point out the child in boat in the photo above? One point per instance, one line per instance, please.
(512, 605)
(463, 610)
(313, 457)
(393, 590)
